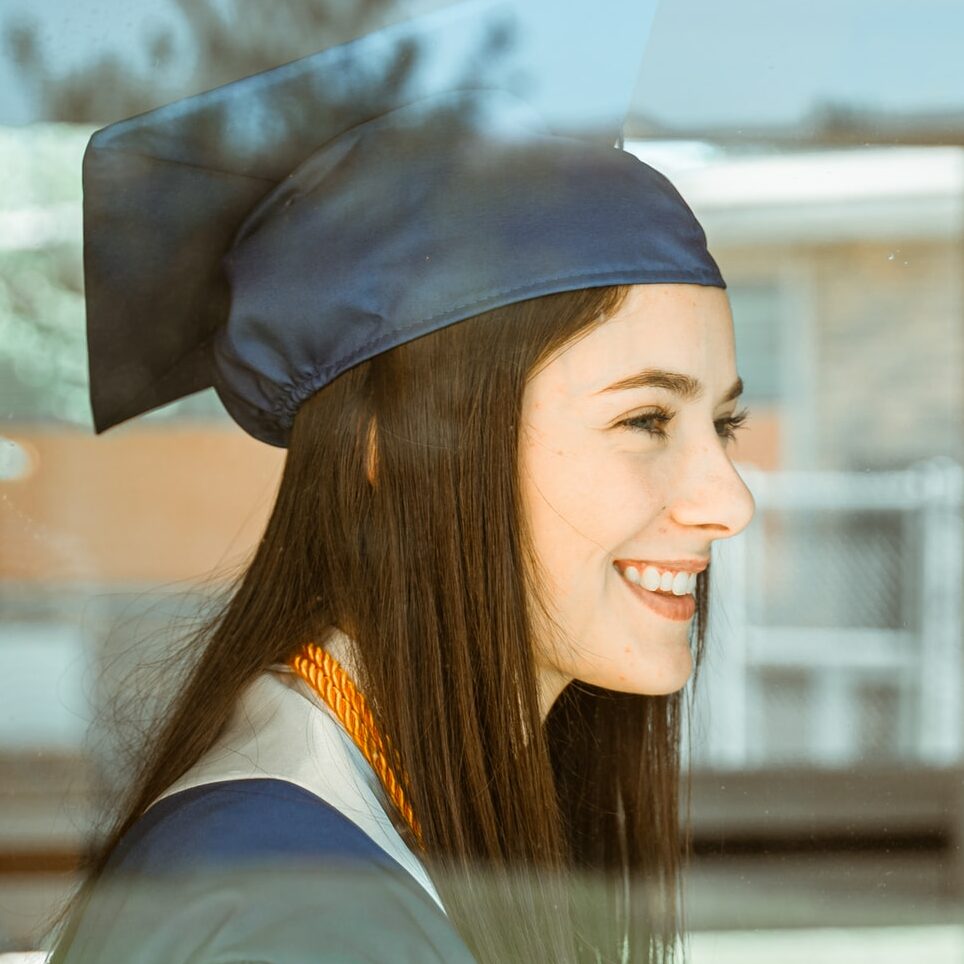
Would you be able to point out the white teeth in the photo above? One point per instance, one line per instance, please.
(651, 578)
(679, 584)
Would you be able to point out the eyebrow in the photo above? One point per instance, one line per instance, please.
(688, 388)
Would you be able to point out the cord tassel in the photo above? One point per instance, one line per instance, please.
(327, 677)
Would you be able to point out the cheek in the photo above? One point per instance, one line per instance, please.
(560, 496)
(586, 501)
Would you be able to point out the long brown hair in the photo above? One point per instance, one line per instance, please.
(557, 841)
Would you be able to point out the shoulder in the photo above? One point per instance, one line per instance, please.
(238, 821)
(257, 871)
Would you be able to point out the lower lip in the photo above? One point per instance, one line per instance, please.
(680, 608)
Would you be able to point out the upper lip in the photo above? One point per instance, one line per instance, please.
(678, 565)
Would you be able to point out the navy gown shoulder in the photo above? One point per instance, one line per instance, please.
(242, 821)
(256, 870)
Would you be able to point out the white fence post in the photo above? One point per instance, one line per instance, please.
(940, 482)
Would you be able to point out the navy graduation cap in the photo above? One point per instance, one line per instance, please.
(266, 236)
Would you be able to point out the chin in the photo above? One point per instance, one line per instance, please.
(669, 674)
(677, 675)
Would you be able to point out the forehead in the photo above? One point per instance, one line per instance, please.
(677, 327)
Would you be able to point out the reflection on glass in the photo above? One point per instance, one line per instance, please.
(826, 739)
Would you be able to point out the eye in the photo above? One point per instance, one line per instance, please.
(732, 424)
(647, 421)
(652, 423)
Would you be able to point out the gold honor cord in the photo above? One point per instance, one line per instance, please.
(327, 677)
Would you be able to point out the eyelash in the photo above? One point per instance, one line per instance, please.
(732, 423)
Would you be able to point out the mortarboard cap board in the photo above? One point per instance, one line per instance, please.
(265, 236)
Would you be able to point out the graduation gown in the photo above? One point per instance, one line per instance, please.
(276, 847)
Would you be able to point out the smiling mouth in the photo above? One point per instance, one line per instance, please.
(678, 608)
(678, 583)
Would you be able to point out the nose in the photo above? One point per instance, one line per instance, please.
(712, 495)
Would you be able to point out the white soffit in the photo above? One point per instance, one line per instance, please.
(817, 196)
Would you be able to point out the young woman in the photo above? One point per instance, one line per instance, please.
(439, 717)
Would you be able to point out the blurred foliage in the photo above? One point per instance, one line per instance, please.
(41, 164)
(42, 359)
(231, 39)
(42, 351)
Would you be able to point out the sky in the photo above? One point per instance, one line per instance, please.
(708, 62)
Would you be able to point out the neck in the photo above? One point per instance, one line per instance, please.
(342, 647)
(551, 684)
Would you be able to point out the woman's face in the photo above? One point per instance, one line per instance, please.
(602, 494)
